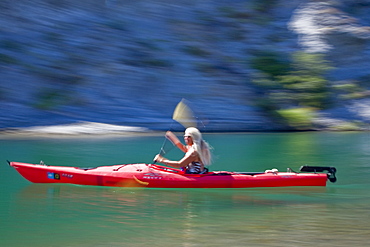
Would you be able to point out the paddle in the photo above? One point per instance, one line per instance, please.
(184, 116)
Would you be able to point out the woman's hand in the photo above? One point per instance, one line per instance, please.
(171, 136)
(175, 141)
(158, 158)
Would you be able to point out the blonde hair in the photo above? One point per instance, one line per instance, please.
(200, 145)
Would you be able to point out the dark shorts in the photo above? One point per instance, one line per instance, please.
(205, 170)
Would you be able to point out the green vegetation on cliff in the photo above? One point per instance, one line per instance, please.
(293, 89)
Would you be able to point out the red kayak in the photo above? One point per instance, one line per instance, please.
(157, 176)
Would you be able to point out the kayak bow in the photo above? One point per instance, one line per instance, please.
(157, 176)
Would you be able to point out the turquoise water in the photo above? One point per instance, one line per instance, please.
(69, 215)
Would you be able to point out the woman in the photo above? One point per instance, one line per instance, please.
(197, 152)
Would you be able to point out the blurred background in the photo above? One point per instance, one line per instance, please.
(244, 65)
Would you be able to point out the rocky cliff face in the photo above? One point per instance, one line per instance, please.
(340, 29)
(131, 62)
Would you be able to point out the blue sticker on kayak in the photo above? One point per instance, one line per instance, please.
(52, 175)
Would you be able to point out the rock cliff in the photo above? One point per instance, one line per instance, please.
(130, 62)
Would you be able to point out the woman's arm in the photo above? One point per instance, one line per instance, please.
(171, 136)
(187, 159)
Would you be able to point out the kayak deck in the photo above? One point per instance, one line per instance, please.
(156, 176)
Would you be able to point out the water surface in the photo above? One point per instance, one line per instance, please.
(70, 215)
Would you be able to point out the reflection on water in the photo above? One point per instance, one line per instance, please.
(291, 216)
(69, 215)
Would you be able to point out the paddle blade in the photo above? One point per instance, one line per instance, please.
(184, 115)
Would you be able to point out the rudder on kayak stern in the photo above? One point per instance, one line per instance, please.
(331, 170)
